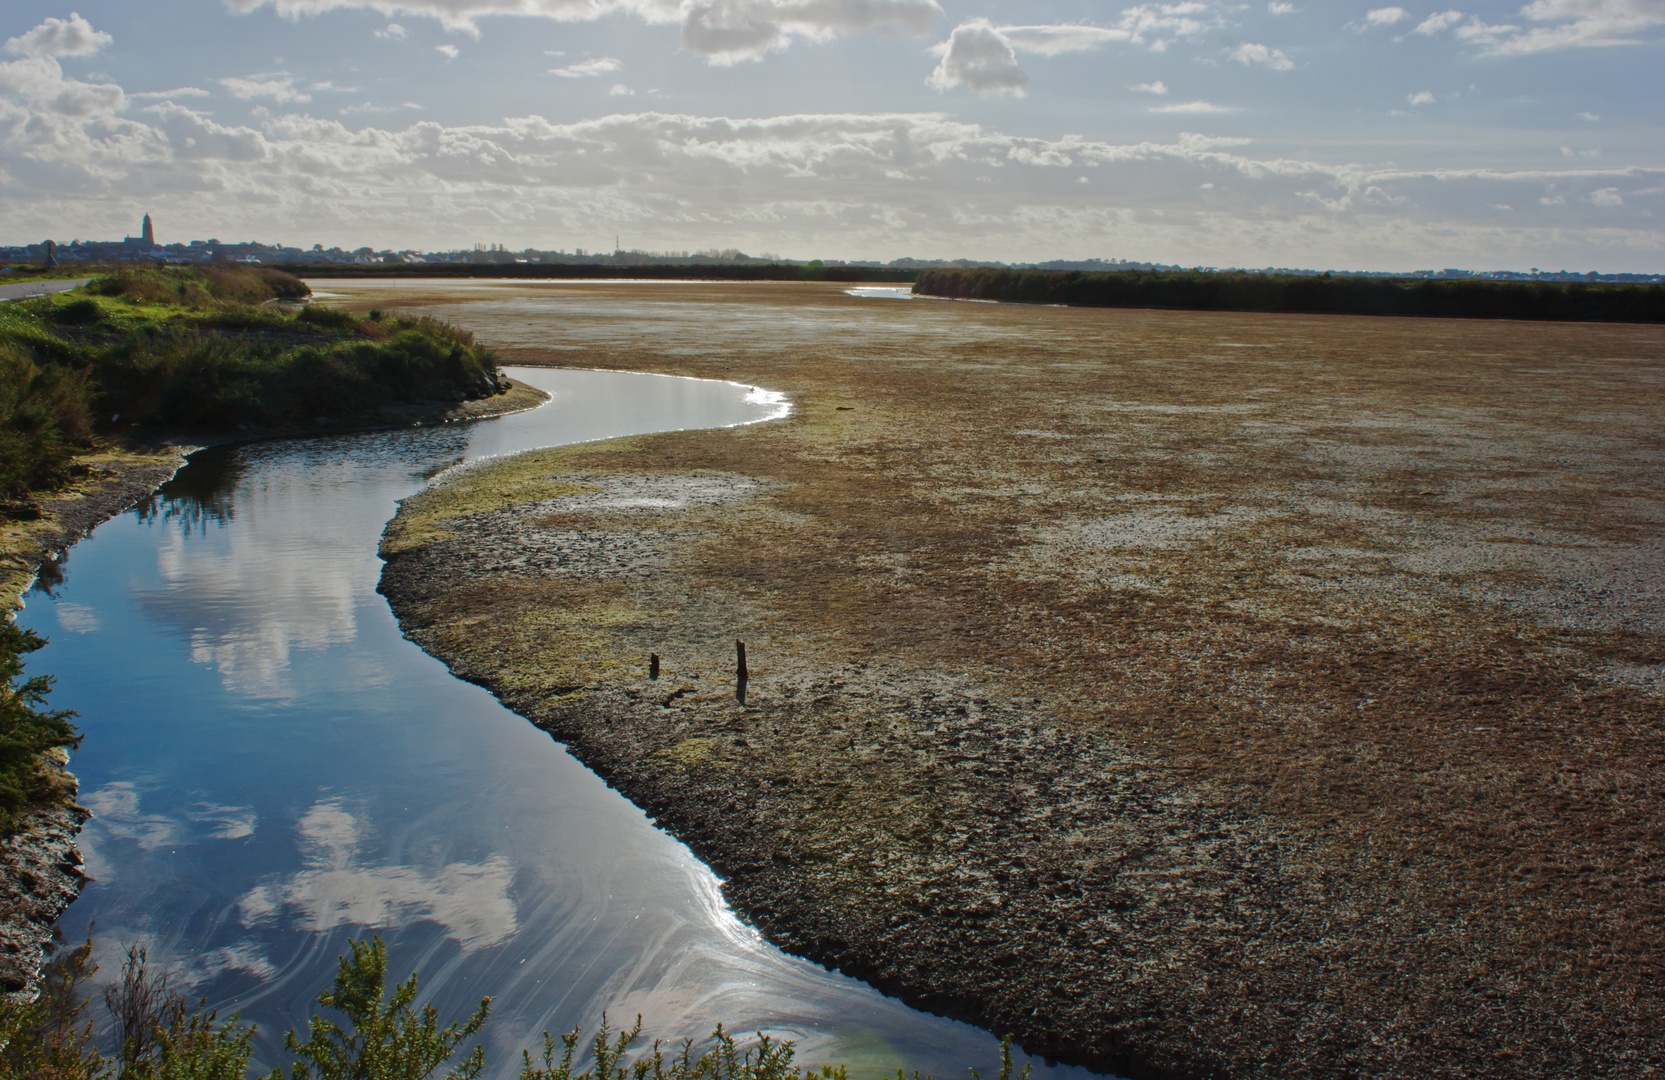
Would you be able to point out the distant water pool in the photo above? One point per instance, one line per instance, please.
(274, 770)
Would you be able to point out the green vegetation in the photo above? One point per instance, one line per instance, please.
(159, 1036)
(1208, 291)
(206, 349)
(27, 729)
(386, 1038)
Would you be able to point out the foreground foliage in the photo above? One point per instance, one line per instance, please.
(159, 1036)
(206, 349)
(1211, 291)
(27, 727)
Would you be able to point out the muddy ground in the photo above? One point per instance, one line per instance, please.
(1188, 694)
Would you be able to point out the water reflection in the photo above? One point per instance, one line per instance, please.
(274, 770)
(470, 900)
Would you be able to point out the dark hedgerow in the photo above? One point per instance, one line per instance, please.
(1307, 294)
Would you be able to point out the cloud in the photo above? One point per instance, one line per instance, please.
(1583, 24)
(450, 51)
(1421, 97)
(73, 36)
(1386, 16)
(1608, 196)
(181, 91)
(1590, 116)
(1573, 24)
(279, 86)
(368, 107)
(1055, 40)
(47, 96)
(983, 56)
(586, 69)
(978, 56)
(1281, 7)
(722, 31)
(1191, 107)
(393, 32)
(1157, 87)
(619, 90)
(1435, 23)
(1251, 54)
(730, 31)
(845, 185)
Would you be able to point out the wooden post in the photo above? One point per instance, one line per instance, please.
(653, 665)
(740, 671)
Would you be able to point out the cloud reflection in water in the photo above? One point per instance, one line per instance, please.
(470, 900)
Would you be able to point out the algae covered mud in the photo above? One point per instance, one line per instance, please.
(273, 769)
(1192, 694)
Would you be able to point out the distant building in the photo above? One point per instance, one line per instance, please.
(146, 238)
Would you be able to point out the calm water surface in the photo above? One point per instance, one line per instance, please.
(275, 770)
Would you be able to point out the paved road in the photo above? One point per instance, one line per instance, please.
(24, 289)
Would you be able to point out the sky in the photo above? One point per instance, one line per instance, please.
(1328, 135)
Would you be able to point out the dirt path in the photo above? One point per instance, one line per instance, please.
(1191, 695)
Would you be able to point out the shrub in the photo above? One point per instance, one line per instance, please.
(44, 419)
(26, 729)
(387, 1038)
(160, 1038)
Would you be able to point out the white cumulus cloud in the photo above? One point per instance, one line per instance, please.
(393, 32)
(1421, 97)
(1157, 87)
(1386, 16)
(979, 56)
(983, 56)
(1251, 54)
(73, 36)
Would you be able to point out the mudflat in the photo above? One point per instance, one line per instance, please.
(1187, 694)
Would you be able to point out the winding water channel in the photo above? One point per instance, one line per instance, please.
(275, 770)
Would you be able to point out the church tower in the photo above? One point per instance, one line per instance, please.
(149, 234)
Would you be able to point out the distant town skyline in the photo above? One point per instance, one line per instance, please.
(1344, 136)
(145, 247)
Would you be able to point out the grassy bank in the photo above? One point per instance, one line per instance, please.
(206, 351)
(1326, 295)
